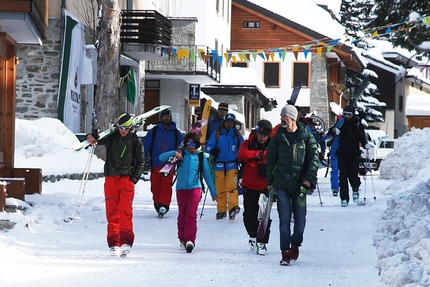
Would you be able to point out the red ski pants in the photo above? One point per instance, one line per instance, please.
(119, 195)
(188, 202)
(161, 188)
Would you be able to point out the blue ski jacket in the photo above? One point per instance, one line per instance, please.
(165, 140)
(188, 171)
(228, 144)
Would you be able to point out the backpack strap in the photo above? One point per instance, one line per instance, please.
(201, 158)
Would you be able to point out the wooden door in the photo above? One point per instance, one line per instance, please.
(151, 100)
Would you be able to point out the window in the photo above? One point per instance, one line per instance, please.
(239, 64)
(271, 75)
(301, 73)
(251, 25)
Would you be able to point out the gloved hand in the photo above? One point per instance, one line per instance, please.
(215, 152)
(269, 187)
(321, 156)
(134, 180)
(369, 145)
(304, 190)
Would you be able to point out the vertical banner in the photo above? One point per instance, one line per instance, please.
(69, 93)
(194, 95)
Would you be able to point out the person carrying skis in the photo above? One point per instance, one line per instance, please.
(351, 135)
(333, 144)
(216, 122)
(122, 169)
(252, 154)
(224, 145)
(161, 138)
(193, 165)
(292, 163)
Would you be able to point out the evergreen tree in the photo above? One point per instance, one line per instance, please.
(361, 15)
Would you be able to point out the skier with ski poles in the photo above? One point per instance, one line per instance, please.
(193, 166)
(123, 167)
(292, 163)
(252, 153)
(351, 135)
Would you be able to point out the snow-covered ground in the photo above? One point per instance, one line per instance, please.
(383, 242)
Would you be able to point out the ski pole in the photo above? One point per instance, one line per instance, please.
(87, 174)
(204, 201)
(371, 174)
(83, 183)
(319, 194)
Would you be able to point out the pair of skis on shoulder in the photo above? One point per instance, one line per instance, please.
(199, 127)
(137, 122)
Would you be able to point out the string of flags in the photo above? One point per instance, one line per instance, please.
(318, 45)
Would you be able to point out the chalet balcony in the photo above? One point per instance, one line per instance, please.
(181, 62)
(144, 33)
(26, 21)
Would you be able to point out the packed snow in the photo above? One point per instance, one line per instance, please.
(382, 241)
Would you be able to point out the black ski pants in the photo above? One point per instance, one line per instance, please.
(250, 213)
(348, 171)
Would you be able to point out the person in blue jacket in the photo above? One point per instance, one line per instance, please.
(224, 145)
(333, 143)
(165, 137)
(189, 187)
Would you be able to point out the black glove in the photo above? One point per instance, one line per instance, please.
(215, 152)
(95, 134)
(134, 180)
(321, 156)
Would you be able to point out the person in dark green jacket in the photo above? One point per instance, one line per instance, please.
(123, 167)
(291, 165)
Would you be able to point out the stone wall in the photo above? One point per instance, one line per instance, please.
(38, 75)
(319, 101)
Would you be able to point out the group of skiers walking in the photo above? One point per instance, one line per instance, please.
(283, 159)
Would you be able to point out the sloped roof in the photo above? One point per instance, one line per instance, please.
(306, 19)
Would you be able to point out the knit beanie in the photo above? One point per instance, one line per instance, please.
(223, 107)
(289, 111)
(125, 120)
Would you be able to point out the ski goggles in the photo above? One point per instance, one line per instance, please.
(191, 144)
(263, 132)
(124, 128)
(347, 114)
(230, 117)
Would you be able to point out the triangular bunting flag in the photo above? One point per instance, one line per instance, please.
(233, 58)
(319, 51)
(329, 48)
(214, 55)
(192, 56)
(254, 55)
(220, 60)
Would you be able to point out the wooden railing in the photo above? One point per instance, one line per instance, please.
(204, 63)
(145, 27)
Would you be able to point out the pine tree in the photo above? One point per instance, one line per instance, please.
(365, 15)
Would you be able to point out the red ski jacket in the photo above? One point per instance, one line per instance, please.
(252, 155)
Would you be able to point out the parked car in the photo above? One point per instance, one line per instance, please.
(382, 147)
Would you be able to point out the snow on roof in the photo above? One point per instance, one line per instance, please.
(417, 105)
(307, 14)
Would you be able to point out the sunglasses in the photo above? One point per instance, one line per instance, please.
(124, 128)
(347, 114)
(191, 144)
